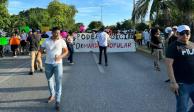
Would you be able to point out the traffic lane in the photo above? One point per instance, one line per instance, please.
(86, 89)
(129, 83)
(142, 86)
(25, 93)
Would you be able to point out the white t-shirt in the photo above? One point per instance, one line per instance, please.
(146, 36)
(103, 39)
(24, 36)
(53, 48)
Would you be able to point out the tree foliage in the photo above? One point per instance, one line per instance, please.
(4, 15)
(61, 15)
(141, 26)
(34, 17)
(167, 12)
(95, 25)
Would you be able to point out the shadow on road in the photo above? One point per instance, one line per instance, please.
(39, 108)
(13, 73)
(19, 89)
(44, 100)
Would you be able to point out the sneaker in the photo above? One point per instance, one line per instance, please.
(41, 70)
(71, 63)
(157, 68)
(51, 99)
(57, 106)
(31, 73)
(168, 80)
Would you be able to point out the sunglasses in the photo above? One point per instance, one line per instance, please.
(184, 32)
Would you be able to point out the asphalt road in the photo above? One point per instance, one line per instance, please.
(128, 84)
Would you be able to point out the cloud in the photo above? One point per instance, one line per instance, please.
(15, 4)
(88, 9)
(118, 2)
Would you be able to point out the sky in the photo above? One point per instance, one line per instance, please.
(113, 11)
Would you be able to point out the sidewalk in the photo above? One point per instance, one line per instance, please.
(144, 49)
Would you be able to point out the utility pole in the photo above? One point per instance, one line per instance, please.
(134, 17)
(101, 13)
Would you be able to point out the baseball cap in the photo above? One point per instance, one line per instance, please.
(168, 29)
(174, 27)
(182, 28)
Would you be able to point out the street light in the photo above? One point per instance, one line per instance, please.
(101, 12)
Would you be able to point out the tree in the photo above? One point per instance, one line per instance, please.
(62, 15)
(118, 25)
(95, 25)
(141, 26)
(34, 17)
(158, 7)
(185, 10)
(166, 10)
(4, 15)
(126, 24)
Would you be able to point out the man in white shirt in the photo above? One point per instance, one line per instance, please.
(102, 39)
(56, 49)
(23, 41)
(146, 37)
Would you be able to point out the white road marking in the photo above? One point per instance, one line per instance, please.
(13, 70)
(100, 68)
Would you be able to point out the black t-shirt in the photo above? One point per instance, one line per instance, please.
(34, 42)
(157, 41)
(172, 39)
(183, 64)
(44, 35)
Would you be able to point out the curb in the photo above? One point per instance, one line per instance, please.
(143, 50)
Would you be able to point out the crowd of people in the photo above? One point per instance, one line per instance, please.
(179, 58)
(56, 46)
(176, 47)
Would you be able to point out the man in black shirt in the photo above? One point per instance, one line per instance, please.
(34, 40)
(180, 65)
(171, 39)
(157, 47)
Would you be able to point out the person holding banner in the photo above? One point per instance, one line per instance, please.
(102, 39)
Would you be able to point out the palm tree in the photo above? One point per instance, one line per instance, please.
(185, 10)
(187, 13)
(157, 7)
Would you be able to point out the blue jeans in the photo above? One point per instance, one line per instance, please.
(55, 87)
(186, 91)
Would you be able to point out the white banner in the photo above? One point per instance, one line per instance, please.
(86, 42)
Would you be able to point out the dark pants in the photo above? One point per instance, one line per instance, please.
(1, 50)
(14, 49)
(71, 51)
(101, 48)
